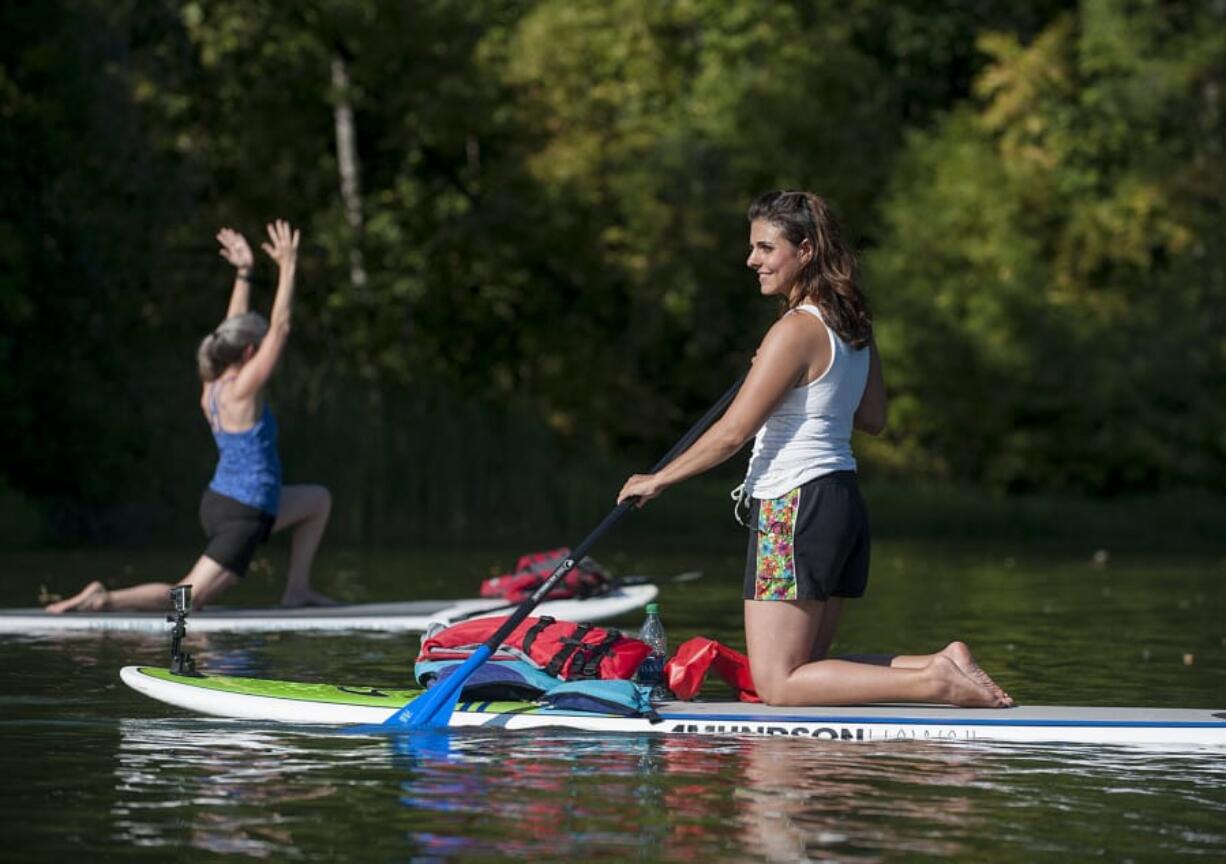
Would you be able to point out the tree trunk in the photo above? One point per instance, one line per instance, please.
(350, 170)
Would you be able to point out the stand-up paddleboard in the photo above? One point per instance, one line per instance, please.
(290, 702)
(404, 617)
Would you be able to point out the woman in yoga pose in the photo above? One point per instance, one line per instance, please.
(245, 501)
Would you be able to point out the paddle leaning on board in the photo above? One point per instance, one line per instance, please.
(433, 709)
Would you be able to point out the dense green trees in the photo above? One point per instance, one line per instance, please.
(1051, 282)
(545, 212)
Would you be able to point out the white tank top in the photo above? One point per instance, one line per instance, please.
(809, 432)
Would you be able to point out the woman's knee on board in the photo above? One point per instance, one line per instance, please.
(772, 682)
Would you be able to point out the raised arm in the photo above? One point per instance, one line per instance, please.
(780, 363)
(870, 415)
(282, 248)
(234, 249)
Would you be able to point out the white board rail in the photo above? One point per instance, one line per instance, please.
(289, 702)
(412, 616)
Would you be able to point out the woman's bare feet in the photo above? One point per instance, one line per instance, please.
(307, 597)
(955, 687)
(961, 655)
(92, 598)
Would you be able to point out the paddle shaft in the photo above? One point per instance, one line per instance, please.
(576, 555)
(433, 708)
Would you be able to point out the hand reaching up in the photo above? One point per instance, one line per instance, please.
(234, 248)
(284, 246)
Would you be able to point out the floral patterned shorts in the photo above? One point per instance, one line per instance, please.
(809, 544)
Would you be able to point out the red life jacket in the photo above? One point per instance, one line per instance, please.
(563, 649)
(587, 579)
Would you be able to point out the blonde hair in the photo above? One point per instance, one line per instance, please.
(225, 345)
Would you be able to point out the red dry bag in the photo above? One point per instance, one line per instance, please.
(687, 669)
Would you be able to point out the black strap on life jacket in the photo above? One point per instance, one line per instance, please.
(569, 645)
(535, 631)
(588, 666)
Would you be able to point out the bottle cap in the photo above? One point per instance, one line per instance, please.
(653, 608)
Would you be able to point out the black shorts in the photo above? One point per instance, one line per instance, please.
(810, 544)
(234, 530)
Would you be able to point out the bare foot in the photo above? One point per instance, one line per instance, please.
(92, 598)
(962, 657)
(955, 687)
(307, 597)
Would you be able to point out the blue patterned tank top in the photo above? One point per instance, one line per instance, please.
(248, 467)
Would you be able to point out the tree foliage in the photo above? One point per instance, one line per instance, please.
(1051, 281)
(553, 197)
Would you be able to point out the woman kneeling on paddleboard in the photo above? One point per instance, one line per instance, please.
(245, 501)
(815, 376)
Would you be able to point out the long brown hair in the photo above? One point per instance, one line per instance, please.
(830, 279)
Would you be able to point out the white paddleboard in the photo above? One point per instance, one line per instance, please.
(268, 700)
(412, 617)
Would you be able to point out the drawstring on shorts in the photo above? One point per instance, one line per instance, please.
(739, 499)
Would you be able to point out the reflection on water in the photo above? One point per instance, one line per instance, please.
(850, 803)
(226, 782)
(83, 784)
(231, 787)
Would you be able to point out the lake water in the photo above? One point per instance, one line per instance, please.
(94, 771)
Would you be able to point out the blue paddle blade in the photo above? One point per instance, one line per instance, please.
(424, 747)
(432, 709)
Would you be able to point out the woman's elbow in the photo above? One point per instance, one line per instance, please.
(728, 439)
(872, 422)
(741, 435)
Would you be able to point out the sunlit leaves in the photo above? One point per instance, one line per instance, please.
(1044, 256)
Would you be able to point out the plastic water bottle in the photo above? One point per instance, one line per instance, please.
(651, 670)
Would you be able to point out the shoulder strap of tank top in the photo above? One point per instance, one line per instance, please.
(214, 413)
(811, 309)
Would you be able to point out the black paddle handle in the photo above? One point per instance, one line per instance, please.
(577, 553)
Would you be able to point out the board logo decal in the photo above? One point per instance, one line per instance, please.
(827, 733)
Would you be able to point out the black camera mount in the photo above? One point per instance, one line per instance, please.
(181, 663)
